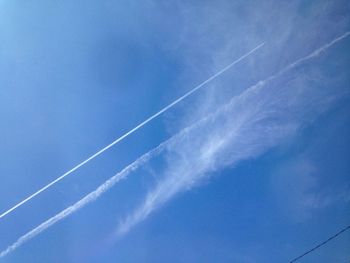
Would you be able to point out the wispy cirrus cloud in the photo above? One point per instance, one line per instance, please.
(251, 123)
(297, 186)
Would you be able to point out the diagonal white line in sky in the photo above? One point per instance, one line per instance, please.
(130, 131)
(92, 196)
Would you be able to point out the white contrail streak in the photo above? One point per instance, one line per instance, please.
(101, 189)
(137, 216)
(314, 54)
(87, 199)
(131, 131)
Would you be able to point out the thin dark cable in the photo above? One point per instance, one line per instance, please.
(321, 244)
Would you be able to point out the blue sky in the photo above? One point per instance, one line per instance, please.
(261, 175)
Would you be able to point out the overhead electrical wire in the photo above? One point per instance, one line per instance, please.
(320, 244)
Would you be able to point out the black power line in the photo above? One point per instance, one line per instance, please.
(321, 244)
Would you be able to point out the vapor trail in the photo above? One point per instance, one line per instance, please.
(85, 200)
(102, 188)
(154, 201)
(314, 54)
(131, 131)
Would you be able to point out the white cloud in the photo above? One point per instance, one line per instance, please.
(248, 125)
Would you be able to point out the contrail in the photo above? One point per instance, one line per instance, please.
(137, 217)
(102, 188)
(87, 199)
(131, 131)
(314, 54)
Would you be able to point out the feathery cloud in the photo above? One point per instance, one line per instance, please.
(251, 123)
